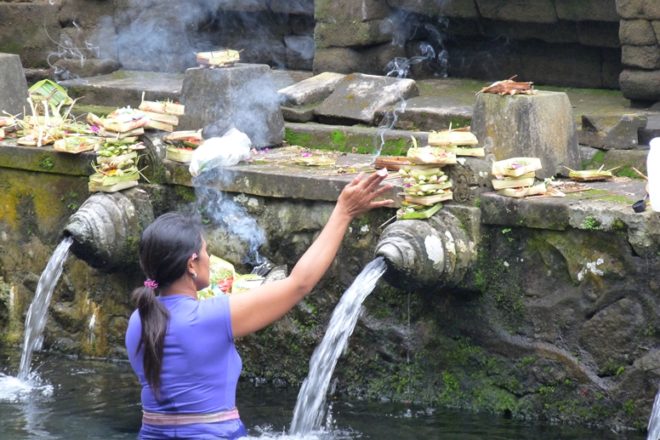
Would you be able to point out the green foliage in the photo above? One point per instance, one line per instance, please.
(46, 162)
(590, 223)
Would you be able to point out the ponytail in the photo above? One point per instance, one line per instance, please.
(154, 317)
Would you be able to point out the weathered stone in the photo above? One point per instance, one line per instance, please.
(68, 68)
(649, 9)
(297, 7)
(125, 87)
(454, 8)
(645, 57)
(561, 32)
(243, 96)
(357, 98)
(651, 130)
(424, 113)
(298, 114)
(336, 59)
(637, 33)
(348, 60)
(356, 33)
(535, 11)
(611, 132)
(13, 87)
(311, 90)
(626, 159)
(28, 29)
(598, 34)
(656, 29)
(539, 125)
(587, 10)
(640, 85)
(609, 334)
(630, 8)
(347, 11)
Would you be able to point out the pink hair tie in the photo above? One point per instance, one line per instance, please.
(151, 284)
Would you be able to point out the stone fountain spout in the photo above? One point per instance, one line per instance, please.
(437, 252)
(106, 228)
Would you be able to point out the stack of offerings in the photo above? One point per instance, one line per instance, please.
(182, 144)
(218, 58)
(515, 177)
(123, 123)
(460, 142)
(161, 115)
(425, 184)
(116, 166)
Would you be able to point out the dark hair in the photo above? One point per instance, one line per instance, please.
(166, 246)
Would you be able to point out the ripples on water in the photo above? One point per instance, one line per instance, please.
(75, 400)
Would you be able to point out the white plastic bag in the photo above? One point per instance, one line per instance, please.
(225, 151)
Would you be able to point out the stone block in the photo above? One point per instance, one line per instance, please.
(29, 29)
(434, 8)
(648, 9)
(587, 10)
(622, 159)
(529, 11)
(295, 7)
(640, 85)
(637, 33)
(539, 125)
(356, 33)
(611, 68)
(562, 32)
(345, 11)
(337, 59)
(598, 34)
(655, 24)
(244, 96)
(612, 132)
(311, 90)
(629, 9)
(357, 98)
(13, 86)
(644, 57)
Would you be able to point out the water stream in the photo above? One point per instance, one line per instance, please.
(37, 314)
(654, 420)
(309, 411)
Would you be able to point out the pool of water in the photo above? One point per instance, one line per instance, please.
(84, 399)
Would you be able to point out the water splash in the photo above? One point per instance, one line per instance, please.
(309, 412)
(37, 314)
(654, 420)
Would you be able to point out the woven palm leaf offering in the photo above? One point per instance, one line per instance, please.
(218, 58)
(515, 177)
(510, 87)
(460, 142)
(590, 175)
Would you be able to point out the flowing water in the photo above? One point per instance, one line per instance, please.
(654, 420)
(310, 410)
(37, 314)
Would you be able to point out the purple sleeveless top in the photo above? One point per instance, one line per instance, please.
(200, 364)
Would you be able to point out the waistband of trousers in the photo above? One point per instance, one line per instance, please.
(152, 418)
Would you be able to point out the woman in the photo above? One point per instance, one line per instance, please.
(182, 350)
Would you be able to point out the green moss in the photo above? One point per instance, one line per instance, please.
(596, 161)
(338, 138)
(627, 171)
(590, 223)
(46, 162)
(295, 138)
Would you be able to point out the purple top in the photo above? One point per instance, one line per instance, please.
(200, 363)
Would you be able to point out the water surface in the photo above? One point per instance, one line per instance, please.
(83, 399)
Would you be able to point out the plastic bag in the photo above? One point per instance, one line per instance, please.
(225, 151)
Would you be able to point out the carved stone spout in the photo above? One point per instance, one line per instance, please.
(106, 228)
(430, 253)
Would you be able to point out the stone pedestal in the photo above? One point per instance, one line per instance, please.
(539, 125)
(13, 86)
(244, 96)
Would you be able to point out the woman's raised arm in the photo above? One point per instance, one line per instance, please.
(256, 309)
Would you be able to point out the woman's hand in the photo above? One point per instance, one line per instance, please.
(359, 196)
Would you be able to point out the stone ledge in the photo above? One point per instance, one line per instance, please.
(45, 160)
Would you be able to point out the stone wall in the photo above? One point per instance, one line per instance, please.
(640, 43)
(546, 41)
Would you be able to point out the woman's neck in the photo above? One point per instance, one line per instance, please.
(180, 287)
